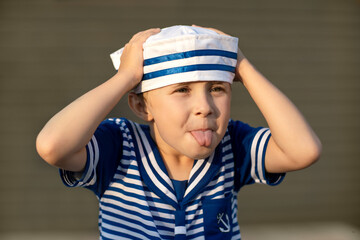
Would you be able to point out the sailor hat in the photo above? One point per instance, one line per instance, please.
(180, 54)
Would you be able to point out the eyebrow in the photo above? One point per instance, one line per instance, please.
(181, 84)
(217, 82)
(187, 83)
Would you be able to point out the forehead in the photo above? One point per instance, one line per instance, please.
(192, 84)
(198, 84)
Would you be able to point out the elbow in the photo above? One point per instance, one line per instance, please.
(47, 150)
(311, 155)
(315, 153)
(316, 150)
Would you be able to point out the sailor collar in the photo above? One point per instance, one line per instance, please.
(155, 176)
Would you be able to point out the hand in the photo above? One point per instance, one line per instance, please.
(132, 56)
(240, 55)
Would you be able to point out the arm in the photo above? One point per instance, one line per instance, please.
(63, 139)
(293, 144)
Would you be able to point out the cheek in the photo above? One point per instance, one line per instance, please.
(169, 120)
(223, 106)
(224, 116)
(171, 111)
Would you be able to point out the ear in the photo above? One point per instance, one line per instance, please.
(139, 106)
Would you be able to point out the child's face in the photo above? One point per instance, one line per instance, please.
(189, 119)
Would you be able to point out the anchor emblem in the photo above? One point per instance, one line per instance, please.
(226, 225)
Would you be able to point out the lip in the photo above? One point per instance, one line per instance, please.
(202, 126)
(201, 129)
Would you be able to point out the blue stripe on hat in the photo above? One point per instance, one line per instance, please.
(189, 68)
(189, 54)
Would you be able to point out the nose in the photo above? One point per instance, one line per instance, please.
(203, 104)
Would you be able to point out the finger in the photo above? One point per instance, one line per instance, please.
(146, 34)
(143, 35)
(213, 29)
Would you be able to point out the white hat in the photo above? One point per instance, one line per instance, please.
(185, 54)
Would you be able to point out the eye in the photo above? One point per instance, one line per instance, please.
(217, 89)
(182, 90)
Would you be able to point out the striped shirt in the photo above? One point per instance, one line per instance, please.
(137, 198)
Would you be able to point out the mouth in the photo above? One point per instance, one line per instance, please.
(203, 136)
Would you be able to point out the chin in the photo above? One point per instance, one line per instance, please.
(203, 153)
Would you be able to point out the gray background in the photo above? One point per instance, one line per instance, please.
(51, 52)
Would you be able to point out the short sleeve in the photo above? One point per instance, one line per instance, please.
(249, 147)
(103, 155)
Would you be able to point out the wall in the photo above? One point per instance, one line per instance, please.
(54, 51)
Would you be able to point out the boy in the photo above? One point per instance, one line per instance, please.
(178, 177)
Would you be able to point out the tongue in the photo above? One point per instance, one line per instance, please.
(202, 137)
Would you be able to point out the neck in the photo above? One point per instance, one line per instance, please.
(177, 165)
(178, 169)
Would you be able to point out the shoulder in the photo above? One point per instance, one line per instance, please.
(113, 128)
(116, 124)
(243, 133)
(239, 126)
(122, 126)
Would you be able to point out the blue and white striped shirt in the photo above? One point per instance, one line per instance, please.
(137, 198)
